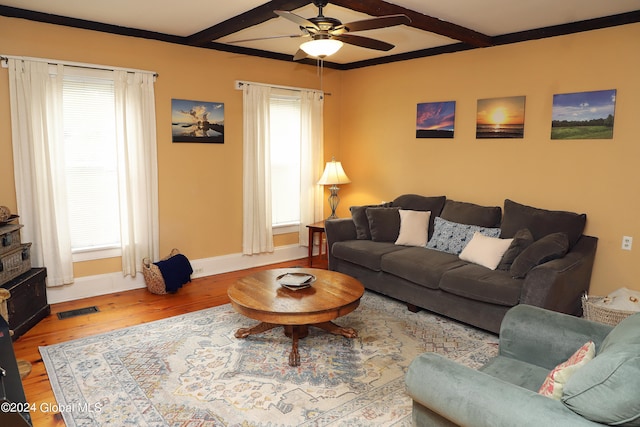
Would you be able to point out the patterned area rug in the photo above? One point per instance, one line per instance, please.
(190, 370)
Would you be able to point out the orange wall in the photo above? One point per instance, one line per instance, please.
(599, 177)
(200, 185)
(370, 127)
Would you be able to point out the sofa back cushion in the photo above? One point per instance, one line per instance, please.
(469, 213)
(541, 222)
(415, 202)
(607, 389)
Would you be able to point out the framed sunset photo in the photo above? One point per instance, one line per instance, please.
(500, 117)
(435, 119)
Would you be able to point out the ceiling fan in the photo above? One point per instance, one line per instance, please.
(325, 31)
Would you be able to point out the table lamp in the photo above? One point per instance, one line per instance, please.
(333, 175)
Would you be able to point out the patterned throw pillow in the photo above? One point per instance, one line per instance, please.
(553, 385)
(452, 237)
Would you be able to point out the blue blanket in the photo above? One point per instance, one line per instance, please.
(176, 271)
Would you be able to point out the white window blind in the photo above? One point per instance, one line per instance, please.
(285, 159)
(91, 162)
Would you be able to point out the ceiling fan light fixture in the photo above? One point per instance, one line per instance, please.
(321, 47)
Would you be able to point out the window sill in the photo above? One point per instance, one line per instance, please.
(93, 254)
(285, 229)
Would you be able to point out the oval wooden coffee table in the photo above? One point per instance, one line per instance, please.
(259, 296)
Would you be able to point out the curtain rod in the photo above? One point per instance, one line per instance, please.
(5, 58)
(240, 83)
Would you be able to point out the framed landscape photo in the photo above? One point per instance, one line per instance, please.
(583, 115)
(500, 117)
(197, 121)
(435, 119)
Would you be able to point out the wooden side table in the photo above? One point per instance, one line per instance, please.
(317, 227)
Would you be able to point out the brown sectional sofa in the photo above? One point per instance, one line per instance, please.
(548, 264)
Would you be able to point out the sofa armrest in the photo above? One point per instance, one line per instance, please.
(559, 284)
(468, 397)
(338, 230)
(546, 338)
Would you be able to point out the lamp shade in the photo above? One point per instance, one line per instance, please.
(321, 47)
(334, 174)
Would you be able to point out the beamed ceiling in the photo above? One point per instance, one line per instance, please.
(436, 27)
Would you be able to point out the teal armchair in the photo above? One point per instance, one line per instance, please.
(533, 341)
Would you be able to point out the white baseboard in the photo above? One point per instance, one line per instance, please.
(102, 284)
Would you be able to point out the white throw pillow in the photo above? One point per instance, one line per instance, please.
(484, 250)
(414, 228)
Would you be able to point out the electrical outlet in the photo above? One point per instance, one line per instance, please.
(197, 270)
(627, 241)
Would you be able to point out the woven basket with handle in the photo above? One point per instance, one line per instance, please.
(152, 275)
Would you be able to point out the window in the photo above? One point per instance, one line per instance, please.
(295, 197)
(63, 118)
(285, 162)
(91, 164)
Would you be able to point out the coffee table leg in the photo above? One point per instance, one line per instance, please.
(258, 329)
(336, 329)
(294, 356)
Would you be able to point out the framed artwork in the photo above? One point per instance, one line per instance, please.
(500, 117)
(435, 119)
(197, 121)
(583, 115)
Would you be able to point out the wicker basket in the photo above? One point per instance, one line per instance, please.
(152, 275)
(14, 263)
(598, 313)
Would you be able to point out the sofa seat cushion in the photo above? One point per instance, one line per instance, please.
(482, 284)
(365, 253)
(420, 265)
(516, 372)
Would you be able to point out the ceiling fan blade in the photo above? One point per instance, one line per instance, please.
(303, 22)
(363, 42)
(300, 54)
(374, 23)
(291, 36)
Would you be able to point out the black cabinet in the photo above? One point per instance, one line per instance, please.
(28, 302)
(13, 408)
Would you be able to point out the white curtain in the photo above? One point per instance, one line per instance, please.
(312, 137)
(38, 144)
(257, 224)
(137, 169)
(36, 128)
(257, 235)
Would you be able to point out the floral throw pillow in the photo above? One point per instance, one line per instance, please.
(553, 385)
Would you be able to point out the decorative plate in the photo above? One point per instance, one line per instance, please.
(295, 281)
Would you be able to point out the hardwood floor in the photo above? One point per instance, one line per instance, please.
(116, 311)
